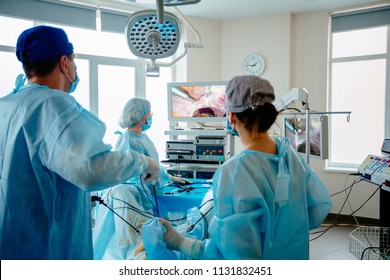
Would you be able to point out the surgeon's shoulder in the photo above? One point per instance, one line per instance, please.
(62, 101)
(232, 164)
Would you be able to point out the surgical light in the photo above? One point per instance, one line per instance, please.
(148, 39)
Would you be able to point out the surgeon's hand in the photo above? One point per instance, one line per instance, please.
(179, 180)
(153, 170)
(175, 241)
(172, 237)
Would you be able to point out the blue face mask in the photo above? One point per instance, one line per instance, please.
(147, 125)
(230, 129)
(74, 83)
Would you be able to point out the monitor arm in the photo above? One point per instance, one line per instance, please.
(294, 94)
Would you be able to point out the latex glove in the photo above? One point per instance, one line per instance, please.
(175, 241)
(153, 172)
(172, 237)
(178, 180)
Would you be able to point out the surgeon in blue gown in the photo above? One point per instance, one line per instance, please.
(136, 118)
(134, 200)
(266, 198)
(52, 155)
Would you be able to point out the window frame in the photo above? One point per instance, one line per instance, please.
(348, 166)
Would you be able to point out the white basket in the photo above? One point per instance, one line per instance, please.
(370, 243)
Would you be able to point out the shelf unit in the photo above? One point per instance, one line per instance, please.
(191, 134)
(197, 132)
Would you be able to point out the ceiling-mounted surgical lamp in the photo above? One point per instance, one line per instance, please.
(148, 39)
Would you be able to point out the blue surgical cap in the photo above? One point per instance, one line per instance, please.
(42, 43)
(133, 112)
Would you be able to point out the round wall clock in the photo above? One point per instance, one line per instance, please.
(254, 64)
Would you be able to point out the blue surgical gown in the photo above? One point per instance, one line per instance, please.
(143, 145)
(51, 153)
(264, 207)
(112, 237)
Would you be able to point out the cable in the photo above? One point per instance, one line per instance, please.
(155, 198)
(349, 203)
(146, 193)
(372, 248)
(204, 203)
(191, 227)
(296, 109)
(334, 223)
(346, 199)
(101, 201)
(142, 212)
(342, 191)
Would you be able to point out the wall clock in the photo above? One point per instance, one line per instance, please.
(254, 64)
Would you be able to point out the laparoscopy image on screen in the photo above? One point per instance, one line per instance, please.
(196, 101)
(295, 131)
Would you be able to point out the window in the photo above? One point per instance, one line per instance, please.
(116, 87)
(11, 67)
(359, 82)
(156, 93)
(109, 76)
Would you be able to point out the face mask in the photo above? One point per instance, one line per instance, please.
(147, 125)
(230, 129)
(73, 84)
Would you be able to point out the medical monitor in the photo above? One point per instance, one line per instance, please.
(295, 132)
(197, 102)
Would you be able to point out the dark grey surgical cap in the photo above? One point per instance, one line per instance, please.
(244, 92)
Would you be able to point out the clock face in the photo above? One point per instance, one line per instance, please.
(254, 64)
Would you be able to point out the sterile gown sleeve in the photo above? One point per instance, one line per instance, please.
(141, 144)
(73, 148)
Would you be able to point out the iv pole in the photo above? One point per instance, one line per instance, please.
(301, 94)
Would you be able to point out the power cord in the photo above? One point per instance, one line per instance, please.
(334, 223)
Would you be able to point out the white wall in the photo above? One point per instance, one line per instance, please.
(203, 64)
(309, 70)
(295, 47)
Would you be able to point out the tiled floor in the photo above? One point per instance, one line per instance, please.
(332, 245)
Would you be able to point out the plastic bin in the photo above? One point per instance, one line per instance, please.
(370, 243)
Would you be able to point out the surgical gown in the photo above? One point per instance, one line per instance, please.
(143, 145)
(134, 201)
(51, 154)
(264, 207)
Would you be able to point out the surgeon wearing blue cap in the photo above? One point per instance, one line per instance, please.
(134, 200)
(266, 197)
(52, 155)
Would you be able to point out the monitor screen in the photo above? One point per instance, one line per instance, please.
(295, 131)
(197, 102)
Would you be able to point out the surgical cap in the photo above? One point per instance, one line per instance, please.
(42, 43)
(244, 92)
(133, 112)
